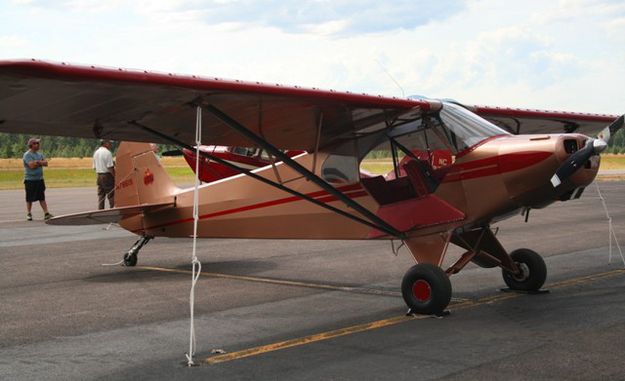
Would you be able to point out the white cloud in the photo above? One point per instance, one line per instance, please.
(559, 55)
(12, 42)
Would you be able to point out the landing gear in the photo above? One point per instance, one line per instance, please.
(532, 271)
(130, 258)
(426, 289)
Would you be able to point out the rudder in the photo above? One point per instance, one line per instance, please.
(139, 176)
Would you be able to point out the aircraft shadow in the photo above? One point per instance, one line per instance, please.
(140, 274)
(250, 267)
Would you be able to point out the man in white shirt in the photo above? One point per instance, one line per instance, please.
(105, 168)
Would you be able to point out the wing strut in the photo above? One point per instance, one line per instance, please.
(302, 170)
(253, 175)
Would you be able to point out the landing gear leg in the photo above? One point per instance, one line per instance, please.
(130, 258)
(522, 269)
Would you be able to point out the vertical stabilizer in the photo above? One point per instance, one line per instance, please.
(139, 176)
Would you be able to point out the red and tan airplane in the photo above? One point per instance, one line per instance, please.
(500, 162)
(244, 157)
(252, 158)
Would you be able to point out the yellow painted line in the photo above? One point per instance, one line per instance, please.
(358, 290)
(310, 339)
(587, 278)
(389, 322)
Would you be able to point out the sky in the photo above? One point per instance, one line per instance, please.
(561, 55)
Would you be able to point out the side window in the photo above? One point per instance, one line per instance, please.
(340, 169)
(239, 151)
(432, 145)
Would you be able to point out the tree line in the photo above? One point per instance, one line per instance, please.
(14, 146)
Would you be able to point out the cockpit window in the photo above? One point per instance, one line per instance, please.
(452, 129)
(244, 151)
(466, 128)
(340, 169)
(436, 138)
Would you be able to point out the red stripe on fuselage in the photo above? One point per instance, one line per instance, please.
(355, 189)
(495, 165)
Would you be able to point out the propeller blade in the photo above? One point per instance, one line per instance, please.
(607, 133)
(174, 152)
(573, 163)
(592, 147)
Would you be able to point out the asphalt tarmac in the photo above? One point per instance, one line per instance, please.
(303, 310)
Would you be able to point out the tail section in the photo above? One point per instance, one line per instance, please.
(139, 176)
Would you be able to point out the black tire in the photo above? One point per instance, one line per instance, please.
(426, 289)
(130, 259)
(534, 271)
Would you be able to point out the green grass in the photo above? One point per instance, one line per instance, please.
(377, 168)
(78, 177)
(612, 161)
(85, 177)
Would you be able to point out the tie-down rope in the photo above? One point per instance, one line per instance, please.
(196, 265)
(611, 233)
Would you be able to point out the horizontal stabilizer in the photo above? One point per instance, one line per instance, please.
(106, 216)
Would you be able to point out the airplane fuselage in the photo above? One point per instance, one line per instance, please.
(487, 182)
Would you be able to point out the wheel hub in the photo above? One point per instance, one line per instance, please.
(422, 290)
(524, 272)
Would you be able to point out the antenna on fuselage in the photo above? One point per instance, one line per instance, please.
(403, 94)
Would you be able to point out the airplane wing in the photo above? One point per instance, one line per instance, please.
(106, 216)
(525, 121)
(39, 97)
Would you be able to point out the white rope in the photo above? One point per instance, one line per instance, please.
(113, 264)
(196, 265)
(611, 232)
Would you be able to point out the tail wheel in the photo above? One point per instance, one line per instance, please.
(426, 289)
(130, 259)
(533, 271)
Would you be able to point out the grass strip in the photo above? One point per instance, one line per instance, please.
(74, 172)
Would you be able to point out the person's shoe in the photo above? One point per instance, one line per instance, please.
(29, 217)
(47, 216)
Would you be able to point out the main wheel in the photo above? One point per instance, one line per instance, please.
(426, 289)
(130, 259)
(533, 271)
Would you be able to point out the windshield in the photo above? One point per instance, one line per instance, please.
(466, 128)
(437, 138)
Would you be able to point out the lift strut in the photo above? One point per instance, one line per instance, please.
(382, 225)
(253, 175)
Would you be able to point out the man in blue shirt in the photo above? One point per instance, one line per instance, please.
(34, 161)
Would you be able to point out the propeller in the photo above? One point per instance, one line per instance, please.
(594, 146)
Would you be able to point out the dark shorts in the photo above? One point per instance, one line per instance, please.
(35, 190)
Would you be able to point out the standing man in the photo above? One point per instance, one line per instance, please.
(104, 167)
(34, 161)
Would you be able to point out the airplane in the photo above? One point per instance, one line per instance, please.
(209, 171)
(251, 158)
(499, 162)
